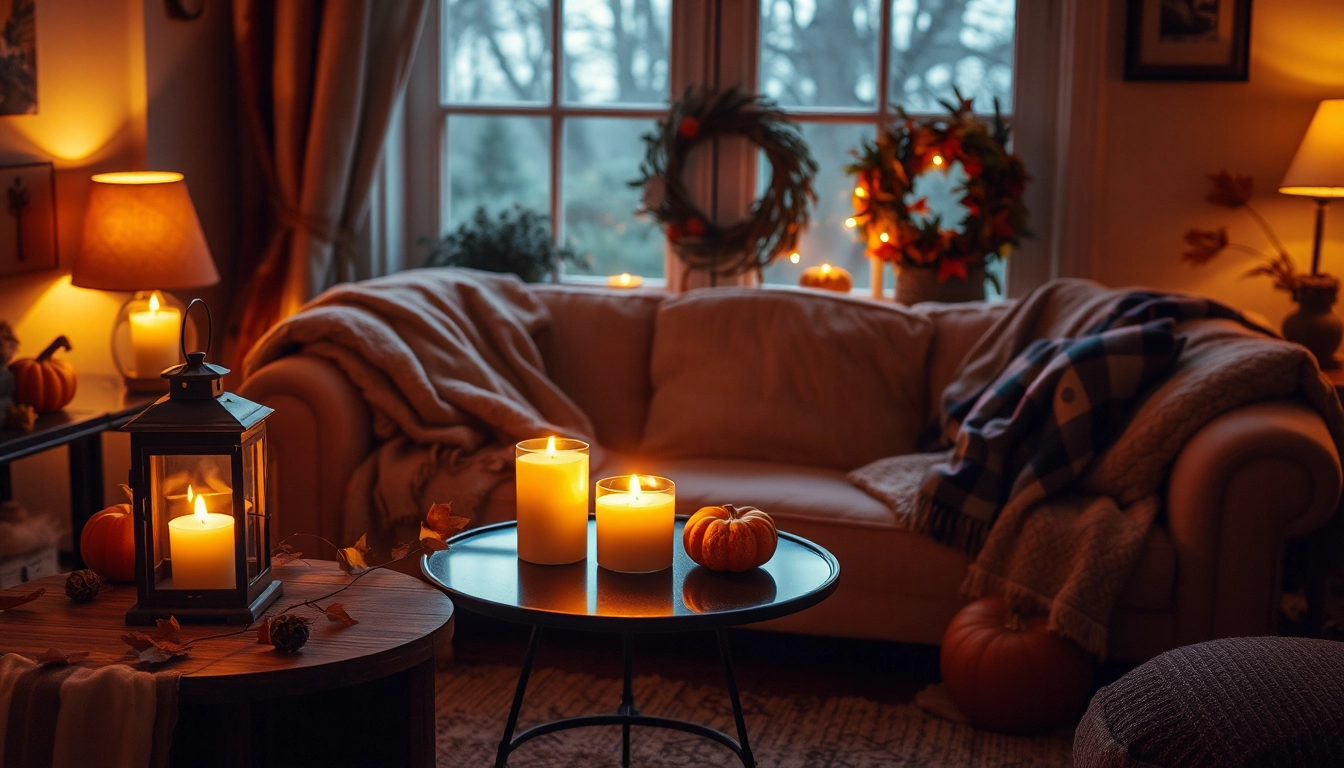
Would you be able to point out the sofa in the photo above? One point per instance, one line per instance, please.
(769, 397)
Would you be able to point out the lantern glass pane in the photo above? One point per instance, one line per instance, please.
(191, 503)
(254, 501)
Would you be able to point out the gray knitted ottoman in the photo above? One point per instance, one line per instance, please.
(1244, 701)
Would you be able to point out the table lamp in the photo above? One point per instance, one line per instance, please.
(1317, 170)
(141, 234)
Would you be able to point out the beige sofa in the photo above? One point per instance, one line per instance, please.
(768, 397)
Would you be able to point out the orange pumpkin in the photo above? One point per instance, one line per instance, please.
(107, 543)
(729, 538)
(1011, 674)
(828, 277)
(45, 383)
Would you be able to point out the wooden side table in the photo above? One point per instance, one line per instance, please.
(362, 695)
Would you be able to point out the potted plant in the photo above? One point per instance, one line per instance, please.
(516, 241)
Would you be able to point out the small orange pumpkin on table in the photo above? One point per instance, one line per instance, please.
(45, 383)
(730, 538)
(107, 542)
(828, 277)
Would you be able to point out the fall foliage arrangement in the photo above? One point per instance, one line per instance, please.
(907, 233)
(1203, 245)
(777, 217)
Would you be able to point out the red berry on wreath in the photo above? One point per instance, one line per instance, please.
(695, 227)
(689, 128)
(674, 232)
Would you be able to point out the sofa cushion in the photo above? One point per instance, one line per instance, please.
(786, 375)
(596, 350)
(956, 328)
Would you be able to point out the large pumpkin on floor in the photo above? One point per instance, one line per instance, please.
(729, 538)
(45, 383)
(107, 543)
(1011, 674)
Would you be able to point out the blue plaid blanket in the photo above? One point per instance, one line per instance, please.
(1058, 405)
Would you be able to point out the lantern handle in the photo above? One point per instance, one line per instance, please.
(209, 328)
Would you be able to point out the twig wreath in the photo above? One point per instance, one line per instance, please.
(906, 233)
(777, 217)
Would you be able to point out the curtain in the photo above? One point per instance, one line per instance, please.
(320, 82)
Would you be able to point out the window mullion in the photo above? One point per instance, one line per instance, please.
(884, 62)
(556, 125)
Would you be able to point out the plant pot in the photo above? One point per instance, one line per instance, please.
(1313, 324)
(917, 284)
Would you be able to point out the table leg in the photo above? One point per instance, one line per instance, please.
(420, 685)
(627, 708)
(86, 486)
(505, 744)
(748, 761)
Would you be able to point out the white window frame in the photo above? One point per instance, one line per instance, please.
(1057, 72)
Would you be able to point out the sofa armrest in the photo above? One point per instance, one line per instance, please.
(320, 432)
(1241, 487)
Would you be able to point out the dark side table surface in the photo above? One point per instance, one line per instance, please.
(482, 572)
(101, 403)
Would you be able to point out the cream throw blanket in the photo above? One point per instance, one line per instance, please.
(1071, 555)
(447, 362)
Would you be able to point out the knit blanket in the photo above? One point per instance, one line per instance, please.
(447, 361)
(1057, 507)
(72, 717)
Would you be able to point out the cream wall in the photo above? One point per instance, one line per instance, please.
(1159, 140)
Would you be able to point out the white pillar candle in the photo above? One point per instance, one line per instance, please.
(154, 338)
(552, 484)
(201, 547)
(635, 518)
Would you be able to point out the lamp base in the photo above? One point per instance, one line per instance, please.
(138, 616)
(1313, 324)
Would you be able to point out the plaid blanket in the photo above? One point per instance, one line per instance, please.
(1057, 406)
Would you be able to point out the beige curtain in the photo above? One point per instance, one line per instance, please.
(320, 81)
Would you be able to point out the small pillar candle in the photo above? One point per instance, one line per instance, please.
(201, 545)
(154, 338)
(635, 517)
(624, 280)
(552, 484)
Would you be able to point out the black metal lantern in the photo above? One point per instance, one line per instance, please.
(198, 478)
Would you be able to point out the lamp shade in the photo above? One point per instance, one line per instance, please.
(1317, 169)
(141, 233)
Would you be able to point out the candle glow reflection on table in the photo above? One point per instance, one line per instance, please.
(201, 546)
(552, 484)
(154, 338)
(635, 518)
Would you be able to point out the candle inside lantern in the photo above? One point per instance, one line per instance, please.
(625, 280)
(185, 503)
(635, 518)
(201, 545)
(154, 337)
(552, 478)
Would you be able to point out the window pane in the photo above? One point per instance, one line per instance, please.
(601, 156)
(496, 162)
(939, 44)
(496, 51)
(826, 238)
(616, 51)
(820, 53)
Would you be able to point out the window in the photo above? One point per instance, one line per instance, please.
(515, 132)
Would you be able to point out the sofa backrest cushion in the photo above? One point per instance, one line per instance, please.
(956, 328)
(794, 376)
(596, 350)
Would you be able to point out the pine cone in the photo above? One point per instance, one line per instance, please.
(289, 633)
(82, 586)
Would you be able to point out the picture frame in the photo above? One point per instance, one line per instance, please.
(27, 218)
(1190, 40)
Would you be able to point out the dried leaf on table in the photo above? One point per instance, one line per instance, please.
(432, 540)
(285, 553)
(168, 629)
(352, 559)
(400, 551)
(442, 521)
(59, 657)
(13, 601)
(336, 612)
(152, 651)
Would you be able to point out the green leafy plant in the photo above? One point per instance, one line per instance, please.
(516, 240)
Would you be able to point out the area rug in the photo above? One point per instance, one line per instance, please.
(785, 732)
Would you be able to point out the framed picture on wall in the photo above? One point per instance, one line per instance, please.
(27, 218)
(1188, 40)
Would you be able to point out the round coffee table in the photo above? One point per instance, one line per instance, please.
(483, 574)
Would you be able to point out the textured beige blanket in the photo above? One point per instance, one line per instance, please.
(1071, 555)
(447, 362)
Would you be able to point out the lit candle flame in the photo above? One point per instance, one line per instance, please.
(825, 269)
(860, 192)
(625, 278)
(550, 447)
(884, 237)
(190, 494)
(634, 486)
(851, 222)
(795, 257)
(200, 510)
(154, 303)
(937, 159)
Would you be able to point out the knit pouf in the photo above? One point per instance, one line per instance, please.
(1246, 701)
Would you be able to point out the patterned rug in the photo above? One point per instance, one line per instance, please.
(786, 732)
